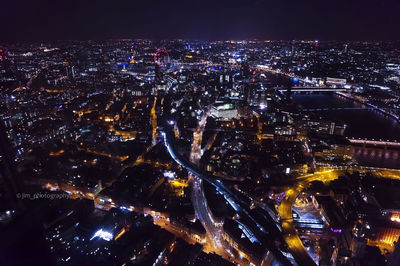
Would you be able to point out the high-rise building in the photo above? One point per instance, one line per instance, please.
(158, 74)
(358, 242)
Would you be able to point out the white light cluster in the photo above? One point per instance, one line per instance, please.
(169, 174)
(103, 235)
(395, 219)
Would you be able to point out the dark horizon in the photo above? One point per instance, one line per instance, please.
(41, 20)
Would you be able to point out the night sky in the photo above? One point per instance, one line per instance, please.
(218, 19)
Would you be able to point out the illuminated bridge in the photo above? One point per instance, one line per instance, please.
(312, 89)
(337, 109)
(373, 142)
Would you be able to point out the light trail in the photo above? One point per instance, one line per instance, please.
(199, 200)
(154, 122)
(238, 205)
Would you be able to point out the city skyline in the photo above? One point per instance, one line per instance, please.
(241, 152)
(228, 132)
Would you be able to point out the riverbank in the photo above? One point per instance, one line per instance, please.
(351, 97)
(362, 122)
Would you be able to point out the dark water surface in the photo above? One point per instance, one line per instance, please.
(369, 124)
(361, 123)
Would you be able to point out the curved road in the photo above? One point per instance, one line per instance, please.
(203, 213)
(294, 242)
(238, 205)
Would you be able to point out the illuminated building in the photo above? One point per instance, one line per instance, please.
(336, 81)
(107, 236)
(385, 238)
(334, 151)
(224, 111)
(358, 242)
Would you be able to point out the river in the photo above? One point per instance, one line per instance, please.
(361, 123)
